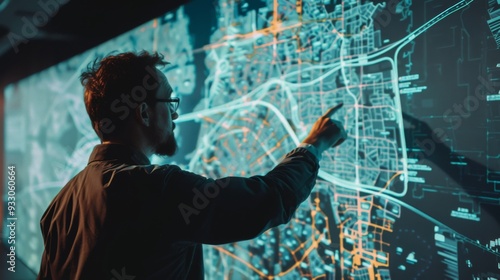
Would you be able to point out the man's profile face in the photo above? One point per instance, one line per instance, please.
(162, 128)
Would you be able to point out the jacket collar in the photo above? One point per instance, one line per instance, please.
(120, 152)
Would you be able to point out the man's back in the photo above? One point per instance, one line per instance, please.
(121, 216)
(110, 221)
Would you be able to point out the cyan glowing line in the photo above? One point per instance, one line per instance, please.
(352, 186)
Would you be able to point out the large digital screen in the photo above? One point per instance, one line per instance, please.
(414, 193)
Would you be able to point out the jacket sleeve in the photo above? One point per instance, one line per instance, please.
(234, 208)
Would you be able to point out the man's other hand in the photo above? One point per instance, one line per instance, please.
(327, 132)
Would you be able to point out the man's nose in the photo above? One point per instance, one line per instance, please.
(175, 116)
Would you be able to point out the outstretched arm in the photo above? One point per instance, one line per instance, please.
(234, 208)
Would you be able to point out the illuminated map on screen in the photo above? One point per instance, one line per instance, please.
(413, 193)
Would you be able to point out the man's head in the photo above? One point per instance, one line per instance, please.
(129, 101)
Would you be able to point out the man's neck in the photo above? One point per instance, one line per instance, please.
(147, 152)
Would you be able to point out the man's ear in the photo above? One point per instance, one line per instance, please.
(143, 114)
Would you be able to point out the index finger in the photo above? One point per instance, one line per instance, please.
(332, 110)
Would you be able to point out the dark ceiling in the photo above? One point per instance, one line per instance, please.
(65, 28)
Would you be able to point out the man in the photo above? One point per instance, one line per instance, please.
(124, 218)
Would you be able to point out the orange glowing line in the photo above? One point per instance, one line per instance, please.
(390, 180)
(313, 246)
(214, 158)
(208, 119)
(376, 226)
(299, 8)
(273, 148)
(222, 250)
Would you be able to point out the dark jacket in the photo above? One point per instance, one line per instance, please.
(124, 218)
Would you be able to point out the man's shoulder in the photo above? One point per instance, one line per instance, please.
(143, 168)
(113, 171)
(119, 167)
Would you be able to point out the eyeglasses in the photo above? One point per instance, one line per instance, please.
(173, 102)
